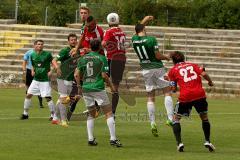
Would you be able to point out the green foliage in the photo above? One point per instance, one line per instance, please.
(185, 13)
(7, 9)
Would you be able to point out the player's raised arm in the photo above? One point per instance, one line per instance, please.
(146, 20)
(108, 81)
(207, 77)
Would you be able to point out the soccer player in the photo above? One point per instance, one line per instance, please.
(153, 71)
(91, 31)
(92, 69)
(65, 79)
(113, 41)
(27, 72)
(188, 77)
(84, 14)
(41, 71)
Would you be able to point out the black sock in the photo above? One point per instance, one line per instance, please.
(73, 106)
(177, 132)
(206, 129)
(40, 100)
(115, 99)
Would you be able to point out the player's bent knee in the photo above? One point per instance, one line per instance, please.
(203, 116)
(177, 118)
(107, 110)
(65, 100)
(28, 96)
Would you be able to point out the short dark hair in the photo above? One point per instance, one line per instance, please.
(72, 35)
(95, 44)
(177, 57)
(139, 28)
(38, 40)
(90, 19)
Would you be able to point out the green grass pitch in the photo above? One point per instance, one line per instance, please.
(37, 139)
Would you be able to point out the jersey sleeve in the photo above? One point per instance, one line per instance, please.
(50, 57)
(26, 56)
(106, 35)
(61, 55)
(105, 67)
(80, 65)
(31, 59)
(155, 44)
(198, 69)
(171, 75)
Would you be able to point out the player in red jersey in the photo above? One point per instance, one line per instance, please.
(113, 41)
(188, 77)
(91, 32)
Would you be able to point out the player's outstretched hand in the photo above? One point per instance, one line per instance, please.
(210, 83)
(59, 72)
(73, 52)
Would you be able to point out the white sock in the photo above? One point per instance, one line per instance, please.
(90, 127)
(63, 111)
(151, 111)
(56, 111)
(169, 107)
(51, 106)
(27, 104)
(111, 127)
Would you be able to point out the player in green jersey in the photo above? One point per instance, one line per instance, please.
(153, 71)
(92, 70)
(41, 61)
(65, 79)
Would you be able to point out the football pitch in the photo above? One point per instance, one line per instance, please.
(38, 139)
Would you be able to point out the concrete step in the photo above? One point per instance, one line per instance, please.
(172, 29)
(38, 28)
(29, 45)
(4, 51)
(8, 21)
(200, 58)
(30, 40)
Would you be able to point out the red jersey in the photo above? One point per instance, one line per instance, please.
(115, 39)
(187, 76)
(88, 36)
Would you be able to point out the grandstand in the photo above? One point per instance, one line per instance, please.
(217, 50)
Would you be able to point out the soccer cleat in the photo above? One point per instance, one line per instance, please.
(169, 123)
(23, 117)
(41, 106)
(180, 147)
(210, 146)
(64, 123)
(115, 143)
(93, 142)
(57, 122)
(154, 130)
(50, 118)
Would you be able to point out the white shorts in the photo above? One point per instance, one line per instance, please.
(154, 79)
(64, 87)
(100, 97)
(40, 88)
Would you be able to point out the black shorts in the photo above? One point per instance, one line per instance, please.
(116, 69)
(74, 91)
(185, 108)
(29, 77)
